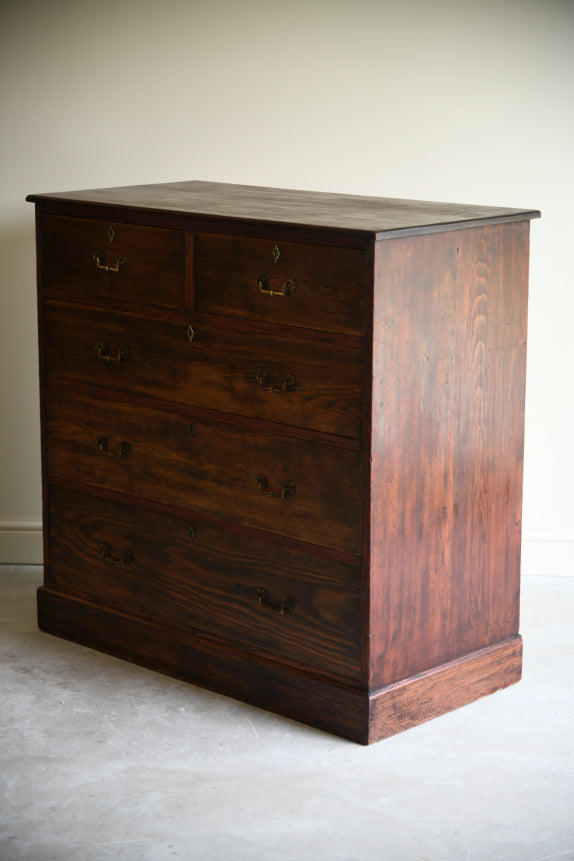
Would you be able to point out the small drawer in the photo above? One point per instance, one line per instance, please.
(186, 575)
(107, 260)
(268, 481)
(313, 286)
(315, 386)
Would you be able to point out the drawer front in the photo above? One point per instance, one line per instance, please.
(313, 286)
(309, 385)
(292, 487)
(107, 260)
(191, 576)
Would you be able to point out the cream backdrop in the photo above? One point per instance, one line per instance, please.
(452, 100)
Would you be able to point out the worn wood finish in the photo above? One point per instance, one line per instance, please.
(211, 663)
(208, 466)
(187, 575)
(355, 714)
(220, 369)
(324, 287)
(154, 270)
(376, 501)
(446, 687)
(449, 367)
(221, 202)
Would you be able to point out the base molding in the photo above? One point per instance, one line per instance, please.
(258, 681)
(340, 709)
(419, 698)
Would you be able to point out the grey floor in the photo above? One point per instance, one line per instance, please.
(104, 760)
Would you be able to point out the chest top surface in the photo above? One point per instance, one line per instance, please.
(373, 215)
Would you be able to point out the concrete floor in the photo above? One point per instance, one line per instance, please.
(104, 760)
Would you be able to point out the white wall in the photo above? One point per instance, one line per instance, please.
(453, 100)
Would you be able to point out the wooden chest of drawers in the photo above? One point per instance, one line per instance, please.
(282, 440)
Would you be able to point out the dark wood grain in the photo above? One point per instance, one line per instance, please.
(353, 447)
(322, 703)
(154, 273)
(406, 703)
(218, 370)
(447, 446)
(374, 215)
(187, 575)
(277, 687)
(42, 399)
(211, 469)
(328, 283)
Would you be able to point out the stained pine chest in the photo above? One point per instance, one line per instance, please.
(282, 438)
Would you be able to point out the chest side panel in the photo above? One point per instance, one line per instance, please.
(447, 445)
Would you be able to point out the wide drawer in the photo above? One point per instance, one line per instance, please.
(190, 576)
(313, 286)
(84, 257)
(310, 385)
(280, 484)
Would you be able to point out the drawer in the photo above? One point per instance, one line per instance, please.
(279, 484)
(95, 258)
(310, 385)
(190, 576)
(313, 286)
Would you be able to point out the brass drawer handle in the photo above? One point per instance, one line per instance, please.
(123, 450)
(287, 488)
(288, 385)
(120, 264)
(106, 554)
(286, 605)
(102, 353)
(263, 284)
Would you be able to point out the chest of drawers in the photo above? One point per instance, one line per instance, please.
(282, 439)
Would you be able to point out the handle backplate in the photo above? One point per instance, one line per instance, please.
(123, 450)
(285, 606)
(289, 384)
(287, 287)
(119, 266)
(122, 354)
(287, 488)
(106, 554)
